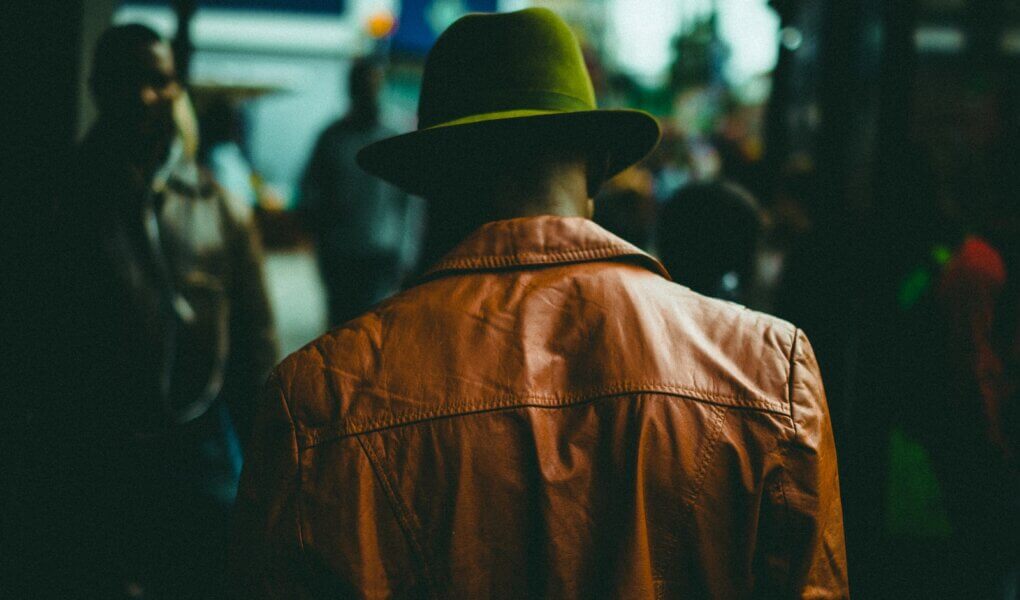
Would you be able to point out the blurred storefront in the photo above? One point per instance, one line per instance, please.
(302, 49)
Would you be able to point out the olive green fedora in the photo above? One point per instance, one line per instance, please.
(505, 82)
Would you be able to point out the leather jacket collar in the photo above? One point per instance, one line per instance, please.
(534, 241)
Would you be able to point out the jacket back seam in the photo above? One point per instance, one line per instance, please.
(400, 511)
(711, 443)
(311, 437)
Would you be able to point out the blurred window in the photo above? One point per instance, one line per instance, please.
(421, 21)
(310, 6)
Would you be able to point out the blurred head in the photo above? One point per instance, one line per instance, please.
(364, 83)
(626, 213)
(708, 237)
(135, 87)
(626, 206)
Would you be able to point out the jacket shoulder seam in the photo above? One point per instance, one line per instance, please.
(711, 444)
(347, 427)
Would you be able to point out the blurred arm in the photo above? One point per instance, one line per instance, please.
(253, 344)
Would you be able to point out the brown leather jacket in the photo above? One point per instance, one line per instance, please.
(545, 415)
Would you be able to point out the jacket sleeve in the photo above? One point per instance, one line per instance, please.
(253, 343)
(266, 541)
(809, 553)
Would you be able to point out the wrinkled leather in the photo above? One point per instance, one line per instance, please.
(544, 415)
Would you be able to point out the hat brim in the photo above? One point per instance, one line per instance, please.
(428, 159)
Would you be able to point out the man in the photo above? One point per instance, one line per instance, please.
(970, 417)
(544, 414)
(167, 336)
(365, 228)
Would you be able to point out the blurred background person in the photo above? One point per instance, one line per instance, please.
(670, 165)
(221, 151)
(739, 150)
(708, 239)
(625, 206)
(365, 229)
(167, 337)
(971, 425)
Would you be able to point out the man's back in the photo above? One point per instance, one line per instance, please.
(545, 416)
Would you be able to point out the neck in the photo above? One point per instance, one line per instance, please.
(364, 113)
(561, 191)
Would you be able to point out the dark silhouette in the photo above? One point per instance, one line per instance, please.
(970, 422)
(708, 239)
(166, 337)
(628, 212)
(365, 229)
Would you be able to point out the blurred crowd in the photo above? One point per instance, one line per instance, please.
(725, 221)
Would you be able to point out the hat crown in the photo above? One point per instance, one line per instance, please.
(524, 60)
